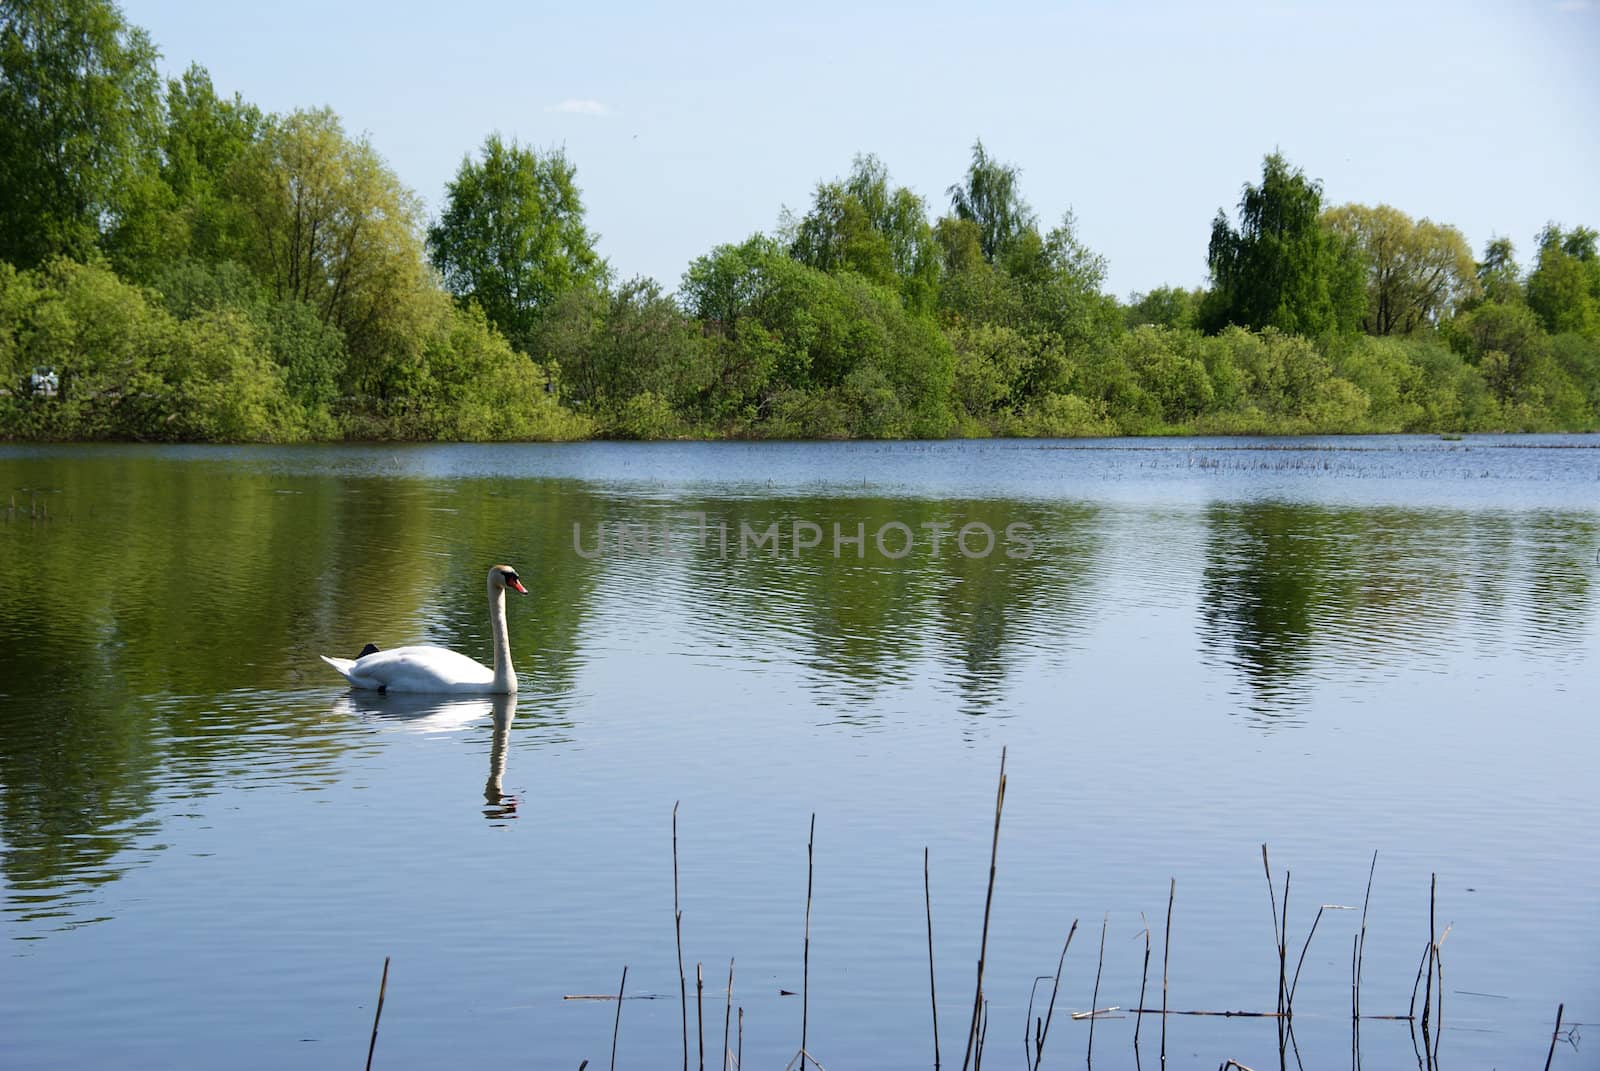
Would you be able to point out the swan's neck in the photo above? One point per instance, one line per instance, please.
(505, 678)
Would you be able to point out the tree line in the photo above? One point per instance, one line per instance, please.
(180, 265)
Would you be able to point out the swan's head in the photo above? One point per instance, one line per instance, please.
(503, 576)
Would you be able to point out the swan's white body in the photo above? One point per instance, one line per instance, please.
(438, 670)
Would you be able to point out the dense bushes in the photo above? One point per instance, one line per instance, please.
(201, 270)
(212, 359)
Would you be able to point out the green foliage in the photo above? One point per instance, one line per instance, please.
(1165, 306)
(190, 210)
(332, 227)
(1167, 370)
(862, 224)
(512, 236)
(1282, 267)
(79, 112)
(615, 347)
(1564, 287)
(191, 268)
(989, 198)
(1498, 276)
(1417, 271)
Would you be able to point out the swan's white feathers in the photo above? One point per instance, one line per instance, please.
(436, 670)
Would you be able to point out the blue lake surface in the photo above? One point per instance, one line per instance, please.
(1187, 648)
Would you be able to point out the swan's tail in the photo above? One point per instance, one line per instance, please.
(342, 665)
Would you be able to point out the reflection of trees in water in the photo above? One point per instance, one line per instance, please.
(1286, 585)
(147, 631)
(1561, 551)
(1266, 571)
(863, 623)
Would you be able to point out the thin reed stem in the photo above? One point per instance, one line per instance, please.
(616, 1027)
(1554, 1036)
(1433, 950)
(1361, 949)
(1050, 1013)
(383, 988)
(988, 904)
(677, 924)
(805, 969)
(1094, 1000)
(1166, 949)
(1144, 977)
(727, 1015)
(933, 995)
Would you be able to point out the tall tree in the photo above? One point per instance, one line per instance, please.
(1564, 286)
(989, 197)
(512, 235)
(189, 209)
(1417, 271)
(865, 224)
(1282, 268)
(332, 227)
(80, 107)
(1499, 278)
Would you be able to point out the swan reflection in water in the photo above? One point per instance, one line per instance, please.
(446, 714)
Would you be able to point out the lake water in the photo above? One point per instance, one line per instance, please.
(1187, 647)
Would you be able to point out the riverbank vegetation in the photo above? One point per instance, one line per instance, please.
(180, 265)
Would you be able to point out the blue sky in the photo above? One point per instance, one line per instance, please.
(693, 125)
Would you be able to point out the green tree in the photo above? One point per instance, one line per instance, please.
(615, 347)
(864, 224)
(1564, 286)
(1165, 306)
(990, 198)
(330, 226)
(1282, 268)
(512, 235)
(188, 207)
(80, 108)
(1499, 278)
(1417, 271)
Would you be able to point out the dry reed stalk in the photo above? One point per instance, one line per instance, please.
(1094, 1000)
(727, 1015)
(700, 1010)
(1166, 949)
(1361, 949)
(1294, 982)
(1417, 983)
(1144, 976)
(1433, 950)
(805, 969)
(677, 925)
(1043, 1030)
(616, 1027)
(1214, 1014)
(1554, 1036)
(933, 995)
(383, 988)
(988, 903)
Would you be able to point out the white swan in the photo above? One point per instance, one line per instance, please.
(437, 670)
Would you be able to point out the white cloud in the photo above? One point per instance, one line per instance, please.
(579, 107)
(1574, 5)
